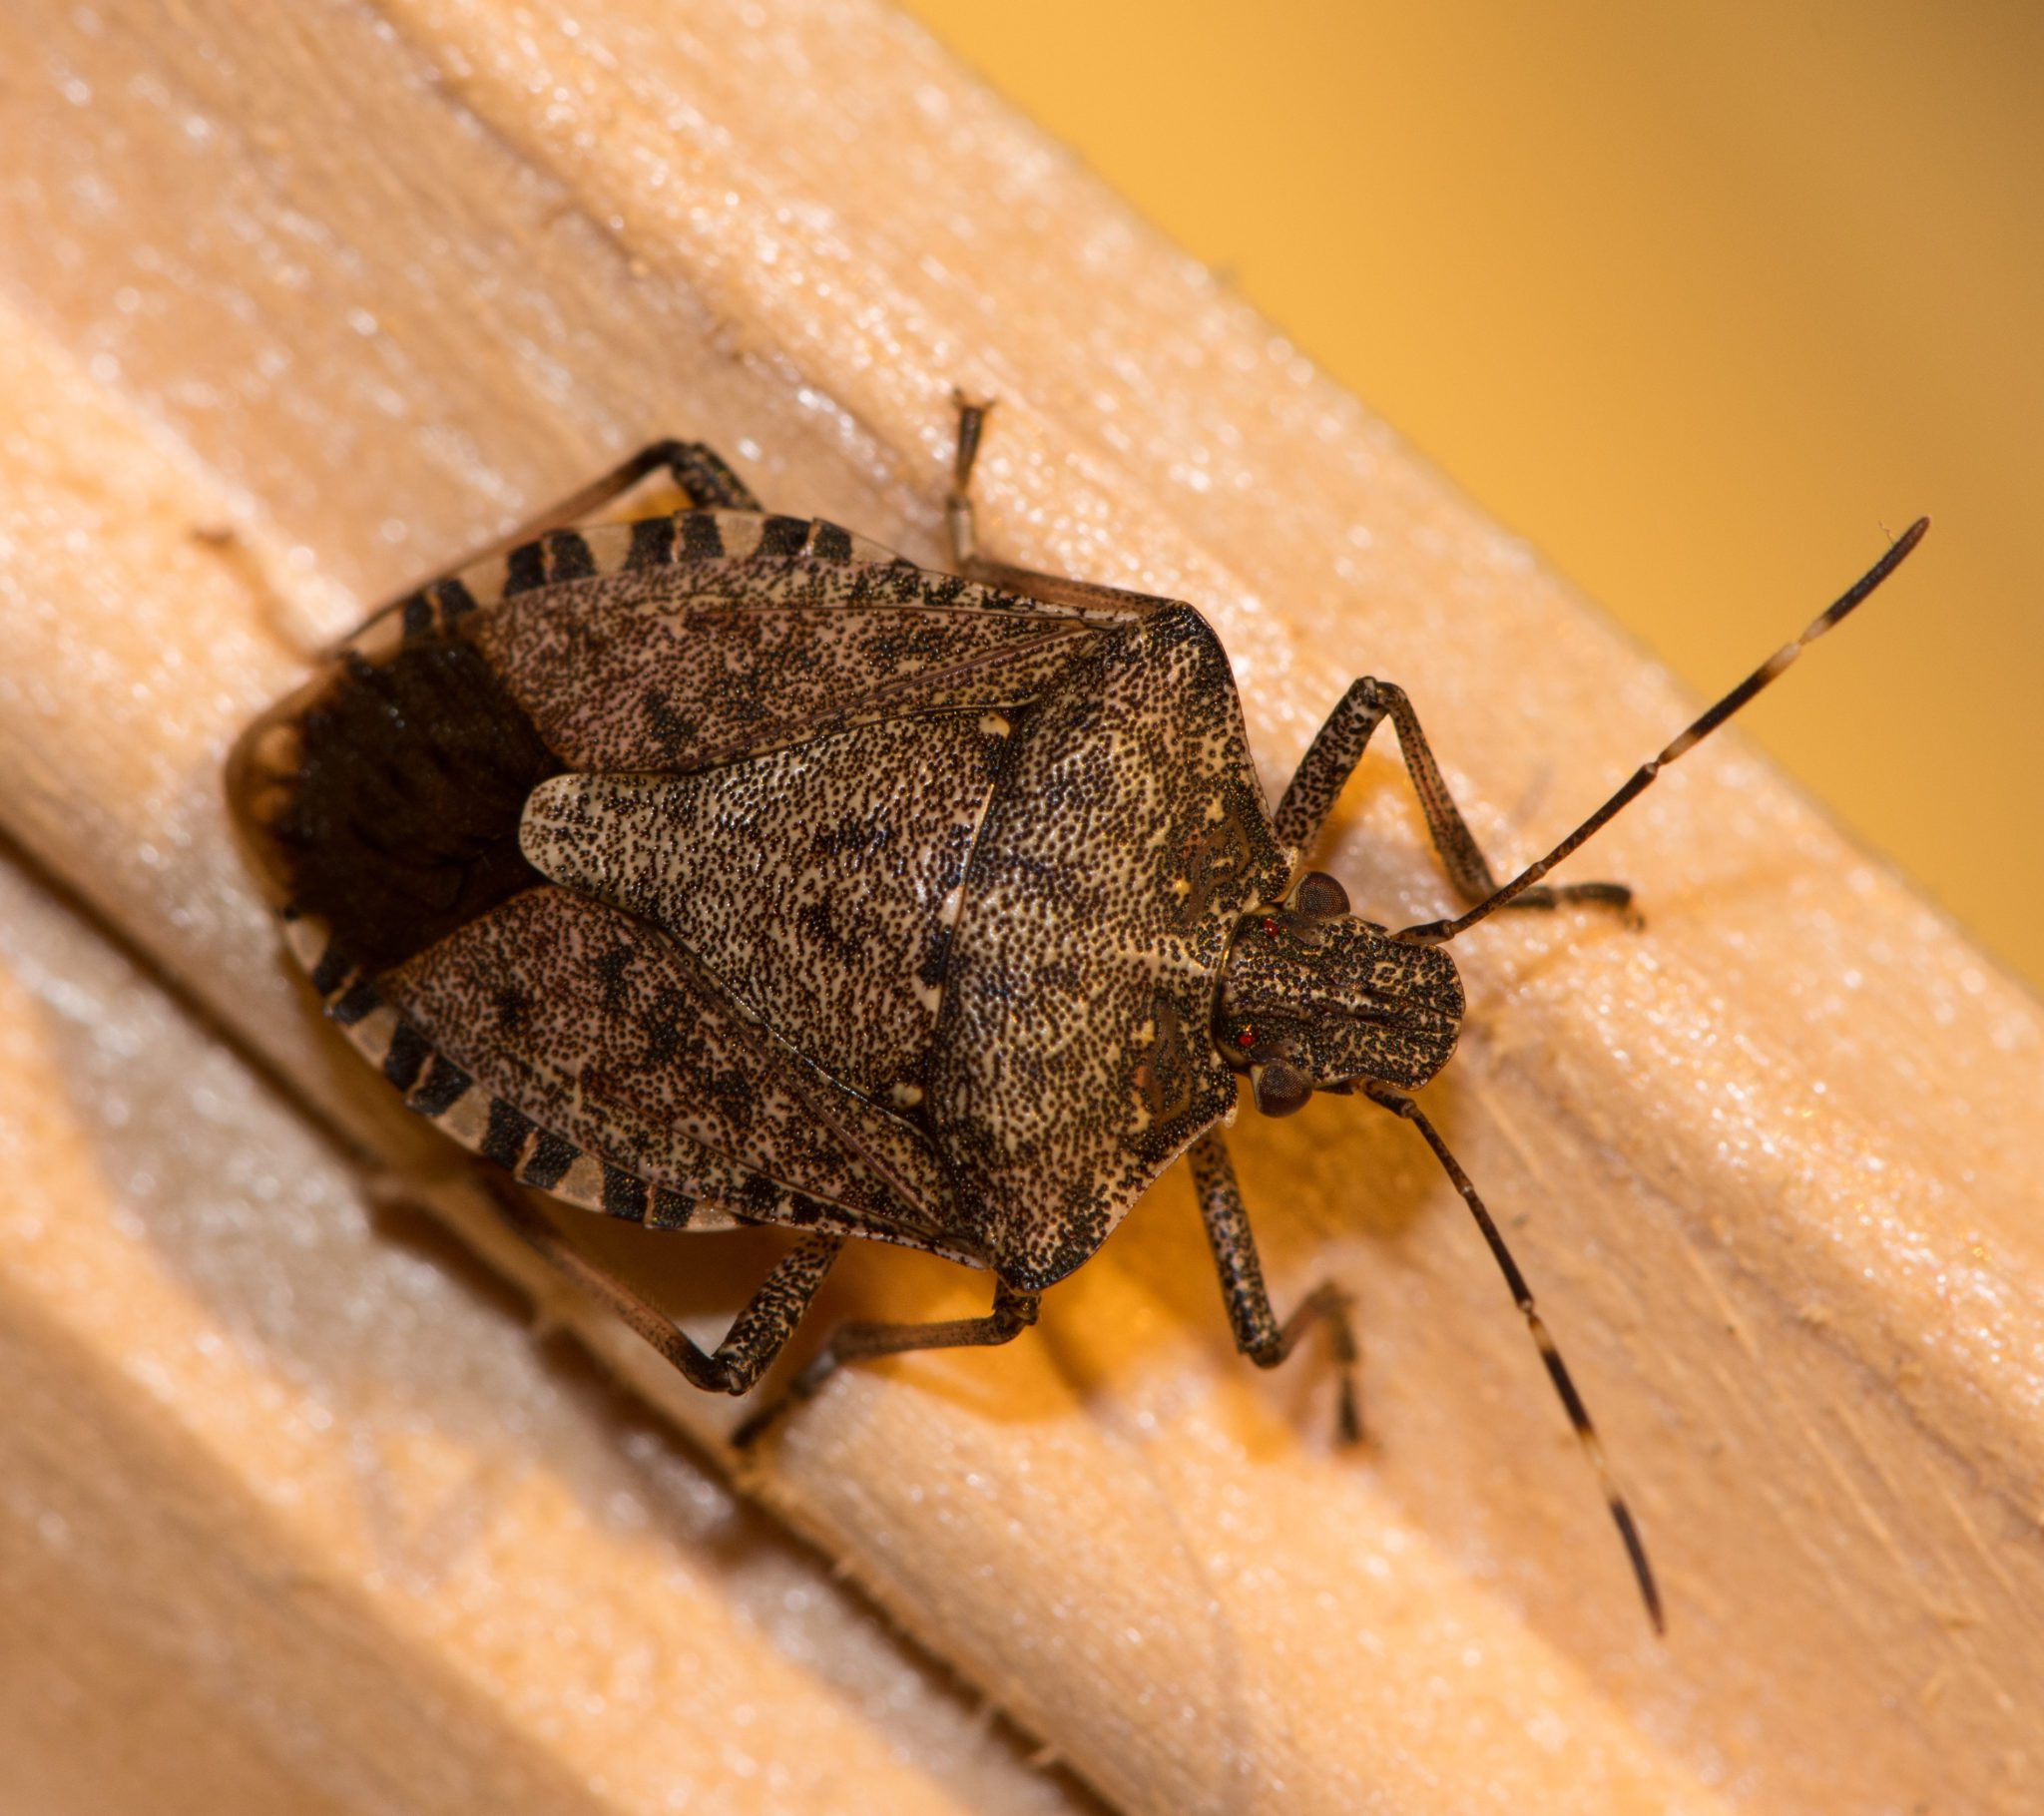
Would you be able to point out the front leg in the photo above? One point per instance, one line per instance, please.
(1258, 1333)
(1331, 758)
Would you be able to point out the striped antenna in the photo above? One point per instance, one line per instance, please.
(1436, 933)
(1557, 1370)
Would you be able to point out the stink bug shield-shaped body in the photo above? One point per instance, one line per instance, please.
(723, 869)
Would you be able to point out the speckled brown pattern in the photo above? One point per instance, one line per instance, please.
(852, 896)
(604, 1032)
(682, 667)
(1074, 1060)
(819, 885)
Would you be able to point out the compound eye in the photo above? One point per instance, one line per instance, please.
(1282, 1088)
(1319, 897)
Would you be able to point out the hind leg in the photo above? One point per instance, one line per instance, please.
(699, 473)
(759, 1333)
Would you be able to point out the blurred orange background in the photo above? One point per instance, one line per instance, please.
(1706, 301)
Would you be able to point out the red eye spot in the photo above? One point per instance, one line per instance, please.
(1270, 926)
(1247, 1037)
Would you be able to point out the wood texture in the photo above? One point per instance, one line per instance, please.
(297, 1519)
(384, 277)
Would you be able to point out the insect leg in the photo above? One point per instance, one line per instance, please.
(1257, 1334)
(697, 472)
(1331, 758)
(1030, 583)
(757, 1334)
(1012, 1314)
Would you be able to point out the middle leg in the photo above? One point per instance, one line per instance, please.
(1030, 583)
(1013, 1313)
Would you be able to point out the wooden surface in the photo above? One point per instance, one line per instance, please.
(303, 303)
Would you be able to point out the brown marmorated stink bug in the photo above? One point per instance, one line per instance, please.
(724, 868)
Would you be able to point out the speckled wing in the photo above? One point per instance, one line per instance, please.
(558, 1038)
(680, 643)
(1074, 1058)
(607, 1035)
(649, 1057)
(818, 883)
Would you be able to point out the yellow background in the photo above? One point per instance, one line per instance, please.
(1704, 300)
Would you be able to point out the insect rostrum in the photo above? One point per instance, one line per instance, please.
(721, 867)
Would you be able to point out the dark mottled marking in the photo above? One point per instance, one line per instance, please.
(653, 543)
(936, 962)
(443, 1087)
(551, 1158)
(332, 968)
(406, 1057)
(702, 539)
(418, 617)
(361, 1000)
(569, 557)
(1166, 1077)
(457, 600)
(624, 1196)
(671, 1209)
(760, 1195)
(666, 1037)
(675, 730)
(402, 821)
(524, 569)
(783, 535)
(814, 921)
(513, 1006)
(734, 1095)
(828, 542)
(611, 969)
(849, 836)
(508, 1133)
